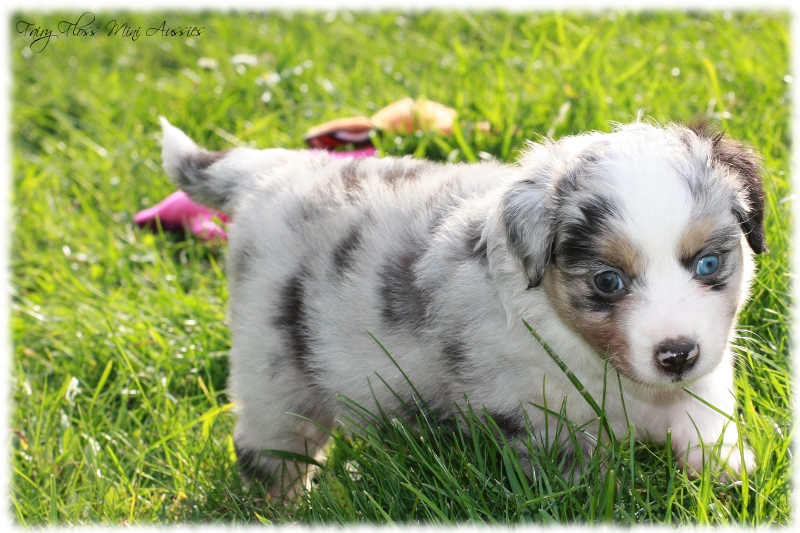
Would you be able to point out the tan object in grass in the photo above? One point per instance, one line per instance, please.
(405, 117)
(408, 115)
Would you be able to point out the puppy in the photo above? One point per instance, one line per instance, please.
(629, 253)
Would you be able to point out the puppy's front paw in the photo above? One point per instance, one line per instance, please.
(728, 459)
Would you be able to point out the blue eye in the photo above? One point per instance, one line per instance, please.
(608, 282)
(707, 265)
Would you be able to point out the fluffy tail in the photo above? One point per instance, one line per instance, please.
(203, 175)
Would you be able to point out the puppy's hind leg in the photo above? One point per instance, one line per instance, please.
(278, 413)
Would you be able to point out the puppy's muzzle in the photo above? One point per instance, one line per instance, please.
(677, 356)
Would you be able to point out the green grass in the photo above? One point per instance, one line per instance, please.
(119, 344)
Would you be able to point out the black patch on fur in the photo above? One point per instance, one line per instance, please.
(440, 204)
(404, 301)
(510, 425)
(741, 159)
(514, 234)
(293, 321)
(565, 187)
(194, 179)
(252, 466)
(240, 264)
(455, 354)
(576, 243)
(351, 177)
(343, 255)
(475, 247)
(205, 158)
(574, 250)
(597, 212)
(402, 170)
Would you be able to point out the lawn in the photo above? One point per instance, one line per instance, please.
(119, 411)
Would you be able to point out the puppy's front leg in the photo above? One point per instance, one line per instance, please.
(705, 438)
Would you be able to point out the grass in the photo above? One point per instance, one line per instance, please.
(119, 364)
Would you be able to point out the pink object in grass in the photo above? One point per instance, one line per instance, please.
(367, 151)
(177, 212)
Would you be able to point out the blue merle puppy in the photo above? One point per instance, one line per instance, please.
(630, 253)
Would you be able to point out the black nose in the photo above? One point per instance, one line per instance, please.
(677, 356)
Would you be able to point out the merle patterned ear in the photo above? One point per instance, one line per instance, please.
(528, 213)
(746, 164)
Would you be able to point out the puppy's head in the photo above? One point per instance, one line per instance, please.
(642, 239)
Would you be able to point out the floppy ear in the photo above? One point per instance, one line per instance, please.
(746, 165)
(528, 211)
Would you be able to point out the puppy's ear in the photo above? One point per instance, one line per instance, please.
(746, 165)
(528, 212)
